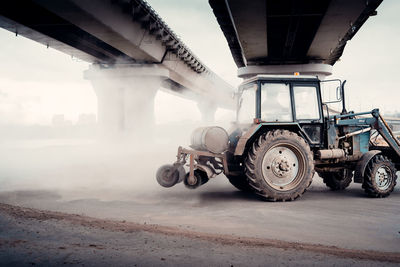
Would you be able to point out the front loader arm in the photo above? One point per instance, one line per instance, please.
(376, 122)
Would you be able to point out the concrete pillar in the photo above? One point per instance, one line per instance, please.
(207, 111)
(125, 98)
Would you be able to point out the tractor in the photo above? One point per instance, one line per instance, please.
(287, 128)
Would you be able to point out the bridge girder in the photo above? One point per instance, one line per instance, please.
(268, 32)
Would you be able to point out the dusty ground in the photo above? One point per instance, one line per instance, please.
(34, 237)
(321, 228)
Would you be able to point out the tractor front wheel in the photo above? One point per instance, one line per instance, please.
(380, 177)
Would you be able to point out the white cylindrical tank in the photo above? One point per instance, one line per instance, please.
(213, 139)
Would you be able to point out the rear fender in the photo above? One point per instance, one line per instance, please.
(258, 129)
(362, 164)
(241, 144)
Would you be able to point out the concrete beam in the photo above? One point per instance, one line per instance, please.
(206, 85)
(108, 23)
(248, 24)
(320, 70)
(333, 27)
(262, 32)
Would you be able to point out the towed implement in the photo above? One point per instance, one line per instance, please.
(286, 130)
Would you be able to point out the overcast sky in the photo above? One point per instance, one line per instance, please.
(36, 82)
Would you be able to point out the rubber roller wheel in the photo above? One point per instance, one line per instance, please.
(200, 178)
(168, 176)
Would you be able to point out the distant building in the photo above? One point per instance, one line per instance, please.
(59, 120)
(87, 119)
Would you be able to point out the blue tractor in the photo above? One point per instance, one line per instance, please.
(288, 128)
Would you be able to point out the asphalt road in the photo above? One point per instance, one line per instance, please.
(105, 183)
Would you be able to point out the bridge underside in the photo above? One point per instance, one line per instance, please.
(133, 51)
(111, 34)
(268, 32)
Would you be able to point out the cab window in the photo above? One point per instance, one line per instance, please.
(275, 102)
(306, 102)
(247, 105)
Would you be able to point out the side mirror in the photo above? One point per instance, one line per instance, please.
(338, 93)
(331, 91)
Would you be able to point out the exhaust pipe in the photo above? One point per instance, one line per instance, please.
(330, 153)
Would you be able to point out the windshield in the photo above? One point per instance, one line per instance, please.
(247, 105)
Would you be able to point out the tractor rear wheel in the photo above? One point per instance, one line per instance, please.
(337, 180)
(380, 177)
(279, 166)
(240, 182)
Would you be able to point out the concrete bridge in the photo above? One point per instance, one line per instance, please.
(133, 52)
(287, 36)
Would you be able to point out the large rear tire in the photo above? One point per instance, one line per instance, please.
(240, 182)
(380, 177)
(279, 166)
(337, 180)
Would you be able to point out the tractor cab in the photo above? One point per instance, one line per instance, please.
(303, 102)
(279, 99)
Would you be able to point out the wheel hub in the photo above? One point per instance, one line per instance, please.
(383, 178)
(170, 176)
(280, 166)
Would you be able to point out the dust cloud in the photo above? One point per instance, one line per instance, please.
(91, 160)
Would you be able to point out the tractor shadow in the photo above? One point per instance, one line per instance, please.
(234, 195)
(317, 191)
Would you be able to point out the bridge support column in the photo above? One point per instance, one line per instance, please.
(125, 98)
(207, 111)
